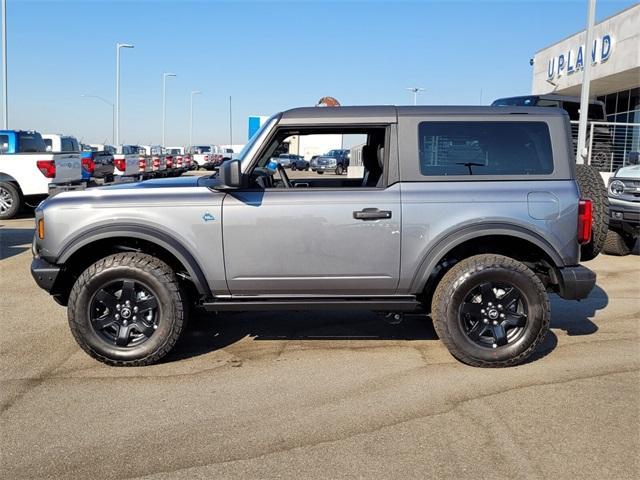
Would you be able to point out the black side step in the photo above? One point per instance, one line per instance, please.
(384, 304)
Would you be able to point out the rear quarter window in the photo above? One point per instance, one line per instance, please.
(484, 148)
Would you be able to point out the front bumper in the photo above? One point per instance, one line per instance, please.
(575, 283)
(323, 168)
(44, 273)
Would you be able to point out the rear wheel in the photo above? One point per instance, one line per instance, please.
(127, 310)
(592, 187)
(491, 311)
(10, 200)
(618, 244)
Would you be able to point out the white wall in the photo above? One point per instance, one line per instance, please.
(620, 71)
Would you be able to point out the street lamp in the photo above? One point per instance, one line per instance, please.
(164, 101)
(5, 95)
(118, 47)
(194, 92)
(113, 113)
(581, 150)
(415, 91)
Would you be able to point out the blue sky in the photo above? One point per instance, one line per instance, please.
(268, 56)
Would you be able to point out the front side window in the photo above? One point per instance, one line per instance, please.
(484, 148)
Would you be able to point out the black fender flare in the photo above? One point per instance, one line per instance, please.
(142, 232)
(469, 232)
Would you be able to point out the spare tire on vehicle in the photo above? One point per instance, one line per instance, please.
(592, 187)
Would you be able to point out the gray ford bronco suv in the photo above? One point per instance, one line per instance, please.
(471, 215)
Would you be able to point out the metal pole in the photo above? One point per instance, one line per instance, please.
(191, 122)
(581, 154)
(164, 102)
(118, 47)
(113, 113)
(230, 125)
(5, 94)
(193, 92)
(117, 135)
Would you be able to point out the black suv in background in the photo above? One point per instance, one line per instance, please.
(336, 160)
(601, 156)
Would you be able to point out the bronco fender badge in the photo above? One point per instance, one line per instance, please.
(207, 217)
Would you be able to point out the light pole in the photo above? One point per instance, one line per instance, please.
(164, 101)
(5, 95)
(586, 83)
(415, 91)
(194, 92)
(118, 47)
(113, 113)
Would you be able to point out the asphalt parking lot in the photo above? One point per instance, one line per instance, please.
(319, 395)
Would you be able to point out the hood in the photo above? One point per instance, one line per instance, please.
(188, 181)
(632, 171)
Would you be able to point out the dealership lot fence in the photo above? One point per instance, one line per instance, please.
(609, 144)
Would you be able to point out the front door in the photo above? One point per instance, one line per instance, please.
(306, 241)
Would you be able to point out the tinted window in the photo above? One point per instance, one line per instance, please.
(68, 144)
(515, 102)
(31, 142)
(484, 148)
(4, 143)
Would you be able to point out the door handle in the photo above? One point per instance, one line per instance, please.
(371, 214)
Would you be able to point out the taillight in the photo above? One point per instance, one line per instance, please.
(47, 168)
(156, 162)
(88, 164)
(179, 161)
(141, 164)
(120, 164)
(169, 160)
(585, 221)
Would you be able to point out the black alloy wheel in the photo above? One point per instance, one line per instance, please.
(124, 312)
(494, 314)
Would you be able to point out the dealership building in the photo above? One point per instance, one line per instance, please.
(615, 73)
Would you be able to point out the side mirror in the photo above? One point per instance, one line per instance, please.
(634, 158)
(230, 174)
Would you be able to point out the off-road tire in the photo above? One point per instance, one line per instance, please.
(601, 156)
(456, 284)
(12, 194)
(592, 187)
(618, 244)
(140, 267)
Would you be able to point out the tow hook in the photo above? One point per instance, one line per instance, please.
(394, 318)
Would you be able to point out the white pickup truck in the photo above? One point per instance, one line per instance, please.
(27, 169)
(71, 177)
(129, 161)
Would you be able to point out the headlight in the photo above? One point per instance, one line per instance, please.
(616, 188)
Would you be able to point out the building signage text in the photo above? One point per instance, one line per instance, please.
(573, 60)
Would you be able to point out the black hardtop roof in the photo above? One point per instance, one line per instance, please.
(389, 111)
(554, 96)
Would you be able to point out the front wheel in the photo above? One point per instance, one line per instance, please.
(127, 309)
(491, 311)
(293, 167)
(339, 170)
(10, 200)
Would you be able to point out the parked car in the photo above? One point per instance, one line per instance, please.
(157, 158)
(182, 162)
(201, 156)
(299, 163)
(130, 163)
(27, 170)
(76, 176)
(98, 161)
(334, 160)
(624, 198)
(602, 138)
(286, 159)
(250, 238)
